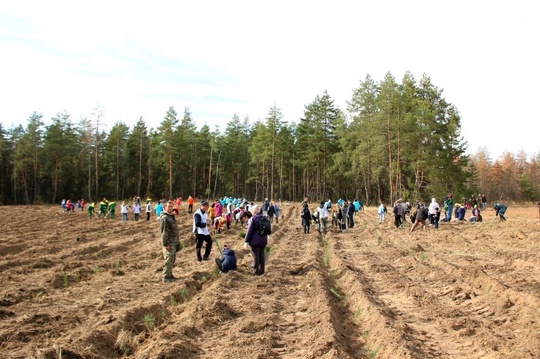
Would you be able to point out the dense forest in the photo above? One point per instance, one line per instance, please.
(394, 140)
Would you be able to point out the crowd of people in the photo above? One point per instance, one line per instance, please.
(204, 219)
(217, 217)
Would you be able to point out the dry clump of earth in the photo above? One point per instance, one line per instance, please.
(72, 287)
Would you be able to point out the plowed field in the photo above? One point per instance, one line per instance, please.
(78, 288)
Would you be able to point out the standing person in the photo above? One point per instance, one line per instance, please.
(270, 212)
(265, 207)
(227, 261)
(306, 217)
(276, 212)
(212, 213)
(158, 209)
(218, 209)
(257, 242)
(136, 209)
(200, 228)
(124, 210)
(381, 213)
(190, 202)
(398, 213)
(434, 212)
(148, 208)
(82, 204)
(500, 210)
(448, 208)
(350, 215)
(323, 217)
(484, 202)
(344, 216)
(169, 240)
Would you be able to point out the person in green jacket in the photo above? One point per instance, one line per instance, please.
(170, 241)
(90, 209)
(103, 205)
(112, 207)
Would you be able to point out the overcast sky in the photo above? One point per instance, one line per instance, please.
(220, 58)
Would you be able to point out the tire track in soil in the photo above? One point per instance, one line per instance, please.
(407, 292)
(295, 319)
(452, 293)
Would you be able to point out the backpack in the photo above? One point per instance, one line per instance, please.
(263, 227)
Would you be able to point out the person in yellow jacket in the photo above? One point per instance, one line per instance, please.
(90, 209)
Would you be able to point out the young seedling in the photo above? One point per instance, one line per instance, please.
(149, 322)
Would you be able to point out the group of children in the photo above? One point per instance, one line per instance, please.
(69, 206)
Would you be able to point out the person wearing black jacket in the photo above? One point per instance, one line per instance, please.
(350, 215)
(306, 218)
(257, 242)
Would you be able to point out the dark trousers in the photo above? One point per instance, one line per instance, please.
(257, 253)
(147, 216)
(200, 239)
(190, 208)
(397, 219)
(219, 263)
(351, 220)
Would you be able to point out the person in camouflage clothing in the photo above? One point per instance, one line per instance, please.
(169, 240)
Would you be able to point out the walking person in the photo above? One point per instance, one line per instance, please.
(200, 228)
(190, 202)
(257, 242)
(170, 241)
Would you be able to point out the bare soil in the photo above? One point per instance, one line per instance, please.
(78, 288)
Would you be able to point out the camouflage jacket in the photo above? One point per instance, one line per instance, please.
(168, 229)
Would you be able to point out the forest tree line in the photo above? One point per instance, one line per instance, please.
(394, 140)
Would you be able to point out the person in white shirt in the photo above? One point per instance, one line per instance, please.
(201, 232)
(323, 217)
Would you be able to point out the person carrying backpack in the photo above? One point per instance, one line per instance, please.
(257, 238)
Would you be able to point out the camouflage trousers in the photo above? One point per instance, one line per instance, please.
(170, 258)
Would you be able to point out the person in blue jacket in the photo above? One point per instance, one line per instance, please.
(227, 261)
(500, 210)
